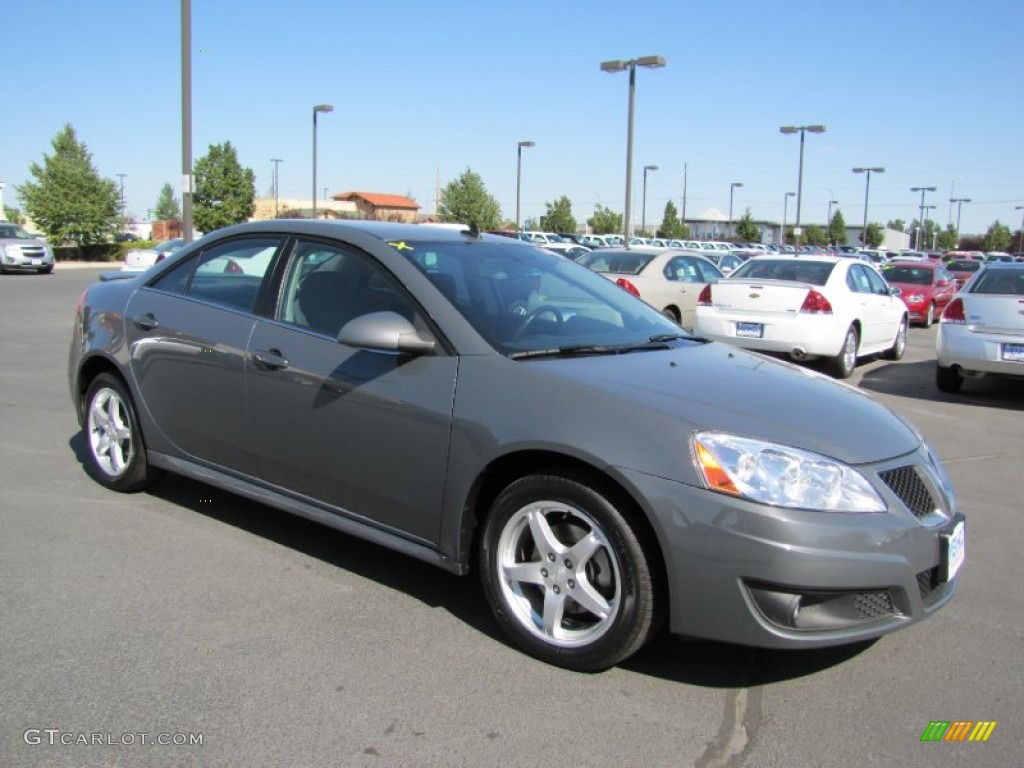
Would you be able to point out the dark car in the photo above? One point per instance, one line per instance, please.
(926, 288)
(478, 402)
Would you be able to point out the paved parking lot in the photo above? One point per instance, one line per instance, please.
(188, 614)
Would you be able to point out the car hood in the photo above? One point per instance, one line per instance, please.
(718, 387)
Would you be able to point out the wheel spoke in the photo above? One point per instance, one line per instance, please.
(99, 416)
(580, 552)
(543, 537)
(523, 573)
(554, 607)
(590, 599)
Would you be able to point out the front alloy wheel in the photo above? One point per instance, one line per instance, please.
(566, 575)
(115, 451)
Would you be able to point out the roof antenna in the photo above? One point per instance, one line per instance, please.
(473, 231)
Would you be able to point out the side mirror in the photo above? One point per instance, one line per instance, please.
(943, 283)
(894, 291)
(385, 331)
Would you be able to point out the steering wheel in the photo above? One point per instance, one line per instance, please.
(529, 317)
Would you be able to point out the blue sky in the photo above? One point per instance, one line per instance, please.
(929, 90)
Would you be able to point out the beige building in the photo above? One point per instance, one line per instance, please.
(379, 206)
(263, 208)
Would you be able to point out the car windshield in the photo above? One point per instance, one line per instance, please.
(964, 265)
(527, 301)
(617, 262)
(800, 270)
(908, 275)
(13, 232)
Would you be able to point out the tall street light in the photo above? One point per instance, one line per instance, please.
(317, 108)
(924, 225)
(1020, 235)
(785, 206)
(922, 190)
(643, 214)
(276, 161)
(801, 129)
(867, 189)
(959, 203)
(187, 185)
(121, 177)
(732, 188)
(618, 65)
(519, 173)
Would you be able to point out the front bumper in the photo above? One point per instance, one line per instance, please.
(763, 576)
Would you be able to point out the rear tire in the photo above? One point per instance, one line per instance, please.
(929, 316)
(115, 450)
(948, 379)
(567, 577)
(841, 366)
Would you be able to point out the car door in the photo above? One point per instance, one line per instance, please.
(188, 332)
(687, 276)
(945, 289)
(364, 432)
(888, 310)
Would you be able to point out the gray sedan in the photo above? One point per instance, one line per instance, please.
(477, 402)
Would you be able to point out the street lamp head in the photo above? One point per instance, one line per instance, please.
(527, 144)
(616, 65)
(650, 167)
(816, 128)
(922, 189)
(323, 108)
(791, 194)
(736, 184)
(788, 129)
(833, 202)
(651, 62)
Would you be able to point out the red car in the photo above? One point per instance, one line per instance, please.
(926, 288)
(963, 269)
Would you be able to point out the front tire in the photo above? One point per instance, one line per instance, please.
(566, 575)
(929, 317)
(115, 450)
(841, 366)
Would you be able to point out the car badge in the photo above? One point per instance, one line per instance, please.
(755, 295)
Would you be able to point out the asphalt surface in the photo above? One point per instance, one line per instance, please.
(186, 613)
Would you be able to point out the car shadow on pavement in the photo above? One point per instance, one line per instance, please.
(917, 380)
(702, 663)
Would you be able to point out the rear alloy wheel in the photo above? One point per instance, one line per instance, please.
(899, 346)
(116, 453)
(566, 575)
(929, 316)
(841, 366)
(948, 379)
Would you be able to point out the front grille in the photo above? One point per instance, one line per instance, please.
(910, 489)
(32, 251)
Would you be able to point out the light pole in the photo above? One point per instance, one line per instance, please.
(959, 203)
(924, 224)
(317, 108)
(618, 65)
(1020, 235)
(785, 206)
(732, 188)
(867, 189)
(519, 173)
(276, 161)
(643, 214)
(801, 129)
(922, 190)
(121, 177)
(187, 185)
(828, 221)
(3, 211)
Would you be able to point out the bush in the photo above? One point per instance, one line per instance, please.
(109, 252)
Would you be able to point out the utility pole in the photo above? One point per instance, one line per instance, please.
(683, 218)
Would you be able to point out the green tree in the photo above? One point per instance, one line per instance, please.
(998, 237)
(814, 235)
(224, 191)
(873, 236)
(898, 224)
(837, 229)
(69, 201)
(559, 216)
(167, 206)
(671, 227)
(948, 238)
(605, 222)
(13, 215)
(466, 200)
(746, 230)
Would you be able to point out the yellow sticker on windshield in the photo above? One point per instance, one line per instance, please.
(400, 245)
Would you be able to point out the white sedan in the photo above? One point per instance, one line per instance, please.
(806, 306)
(982, 329)
(668, 280)
(141, 259)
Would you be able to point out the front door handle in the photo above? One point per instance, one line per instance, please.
(146, 322)
(270, 359)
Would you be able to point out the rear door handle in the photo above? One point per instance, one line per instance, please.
(146, 322)
(270, 359)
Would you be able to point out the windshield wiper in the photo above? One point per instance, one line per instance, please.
(675, 336)
(567, 351)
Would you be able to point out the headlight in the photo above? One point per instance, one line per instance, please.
(781, 476)
(915, 298)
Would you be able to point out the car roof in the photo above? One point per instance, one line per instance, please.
(383, 230)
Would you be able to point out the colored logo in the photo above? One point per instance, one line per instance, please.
(958, 730)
